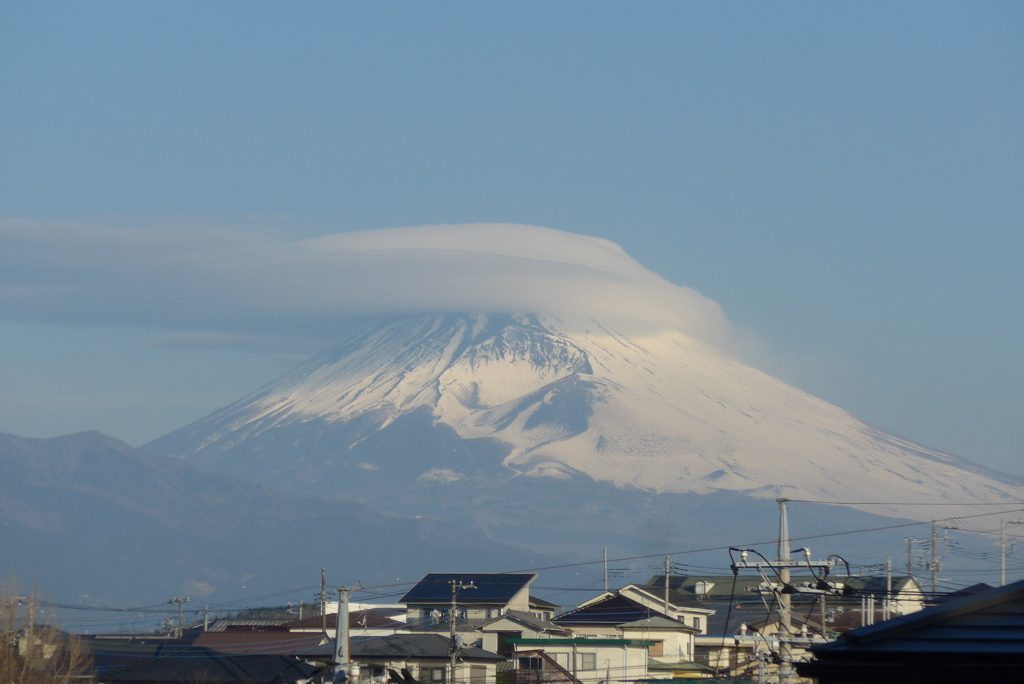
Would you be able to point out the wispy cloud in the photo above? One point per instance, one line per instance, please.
(224, 286)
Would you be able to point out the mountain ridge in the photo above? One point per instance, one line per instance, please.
(86, 515)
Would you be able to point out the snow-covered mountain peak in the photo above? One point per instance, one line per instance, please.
(654, 410)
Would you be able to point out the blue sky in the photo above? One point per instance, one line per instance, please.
(845, 180)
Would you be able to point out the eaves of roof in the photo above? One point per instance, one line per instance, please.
(582, 641)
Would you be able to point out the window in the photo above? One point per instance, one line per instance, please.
(530, 663)
(561, 658)
(432, 675)
(696, 623)
(477, 674)
(586, 661)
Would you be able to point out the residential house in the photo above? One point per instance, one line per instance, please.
(479, 598)
(581, 660)
(423, 657)
(516, 624)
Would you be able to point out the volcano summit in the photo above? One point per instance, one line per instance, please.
(614, 408)
(429, 400)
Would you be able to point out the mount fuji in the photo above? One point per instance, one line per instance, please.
(545, 423)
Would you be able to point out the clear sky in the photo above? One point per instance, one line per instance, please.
(846, 180)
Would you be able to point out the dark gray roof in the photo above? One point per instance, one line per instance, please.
(201, 665)
(403, 647)
(490, 589)
(110, 654)
(612, 610)
(973, 638)
(541, 604)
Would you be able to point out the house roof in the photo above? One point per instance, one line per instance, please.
(202, 665)
(489, 589)
(658, 622)
(372, 619)
(266, 643)
(969, 638)
(675, 598)
(541, 604)
(108, 655)
(404, 647)
(526, 620)
(582, 641)
(226, 625)
(611, 611)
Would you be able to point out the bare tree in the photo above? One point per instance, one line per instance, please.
(32, 649)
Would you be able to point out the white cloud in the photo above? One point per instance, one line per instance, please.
(222, 285)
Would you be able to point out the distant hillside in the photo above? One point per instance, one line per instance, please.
(88, 517)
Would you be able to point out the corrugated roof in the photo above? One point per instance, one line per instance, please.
(489, 589)
(225, 625)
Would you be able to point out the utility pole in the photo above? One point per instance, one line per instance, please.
(206, 617)
(453, 616)
(181, 601)
(1003, 522)
(668, 569)
(323, 599)
(934, 565)
(342, 655)
(887, 606)
(782, 566)
(785, 650)
(606, 569)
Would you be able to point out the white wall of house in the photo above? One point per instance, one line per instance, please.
(598, 662)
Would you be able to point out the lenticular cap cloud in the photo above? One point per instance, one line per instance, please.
(212, 278)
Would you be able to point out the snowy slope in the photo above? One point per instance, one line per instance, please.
(634, 406)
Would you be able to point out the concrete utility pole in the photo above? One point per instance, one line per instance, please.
(181, 601)
(782, 566)
(785, 604)
(606, 569)
(453, 617)
(342, 655)
(668, 570)
(323, 599)
(936, 564)
(887, 605)
(1003, 522)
